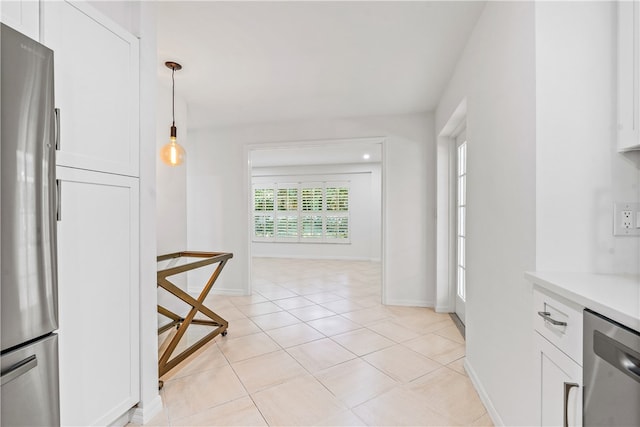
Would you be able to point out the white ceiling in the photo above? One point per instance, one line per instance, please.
(318, 154)
(257, 62)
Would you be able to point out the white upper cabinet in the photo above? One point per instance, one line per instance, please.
(97, 81)
(23, 16)
(628, 75)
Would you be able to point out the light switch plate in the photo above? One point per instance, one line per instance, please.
(626, 219)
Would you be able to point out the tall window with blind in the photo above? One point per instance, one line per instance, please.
(461, 202)
(311, 212)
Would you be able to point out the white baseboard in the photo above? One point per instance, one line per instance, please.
(328, 257)
(409, 303)
(122, 420)
(484, 397)
(445, 309)
(145, 414)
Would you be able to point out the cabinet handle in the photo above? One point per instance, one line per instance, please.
(58, 200)
(19, 369)
(567, 389)
(57, 114)
(547, 316)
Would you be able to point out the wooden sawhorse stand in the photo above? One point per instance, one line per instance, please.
(197, 306)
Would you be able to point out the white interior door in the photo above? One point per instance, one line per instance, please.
(460, 229)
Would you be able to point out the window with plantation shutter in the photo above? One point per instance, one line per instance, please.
(263, 217)
(263, 226)
(288, 199)
(287, 211)
(312, 226)
(337, 199)
(337, 227)
(311, 212)
(337, 213)
(312, 199)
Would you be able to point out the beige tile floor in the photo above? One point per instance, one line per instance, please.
(314, 346)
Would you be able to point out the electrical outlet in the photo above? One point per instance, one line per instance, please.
(626, 219)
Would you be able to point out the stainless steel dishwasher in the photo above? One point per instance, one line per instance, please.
(611, 375)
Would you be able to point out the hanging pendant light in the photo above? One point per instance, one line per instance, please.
(173, 153)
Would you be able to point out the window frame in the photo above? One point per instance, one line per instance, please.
(324, 214)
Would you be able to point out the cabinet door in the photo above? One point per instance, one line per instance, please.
(628, 75)
(23, 16)
(555, 372)
(96, 83)
(98, 256)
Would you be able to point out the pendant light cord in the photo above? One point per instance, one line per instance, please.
(173, 95)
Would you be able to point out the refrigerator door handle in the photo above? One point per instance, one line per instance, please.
(57, 125)
(19, 369)
(58, 200)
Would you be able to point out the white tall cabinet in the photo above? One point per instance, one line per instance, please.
(98, 260)
(97, 93)
(97, 80)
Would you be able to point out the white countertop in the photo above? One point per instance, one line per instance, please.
(614, 296)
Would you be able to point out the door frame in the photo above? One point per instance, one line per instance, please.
(446, 213)
(460, 138)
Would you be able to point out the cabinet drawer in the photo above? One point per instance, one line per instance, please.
(560, 322)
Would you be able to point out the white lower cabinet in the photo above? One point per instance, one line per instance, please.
(558, 360)
(560, 390)
(98, 262)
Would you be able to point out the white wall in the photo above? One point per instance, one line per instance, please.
(171, 195)
(496, 76)
(539, 83)
(150, 402)
(579, 173)
(218, 199)
(365, 206)
(171, 212)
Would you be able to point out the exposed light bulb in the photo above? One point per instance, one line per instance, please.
(172, 154)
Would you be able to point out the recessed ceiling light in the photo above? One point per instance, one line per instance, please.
(366, 156)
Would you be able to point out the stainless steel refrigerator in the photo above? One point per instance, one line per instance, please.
(29, 308)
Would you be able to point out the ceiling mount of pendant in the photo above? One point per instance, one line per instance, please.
(173, 65)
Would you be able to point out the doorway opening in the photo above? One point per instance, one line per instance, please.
(316, 201)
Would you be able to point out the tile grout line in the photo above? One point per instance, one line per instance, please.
(392, 316)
